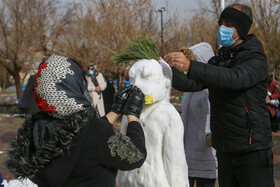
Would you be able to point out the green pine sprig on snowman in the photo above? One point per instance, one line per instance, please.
(139, 48)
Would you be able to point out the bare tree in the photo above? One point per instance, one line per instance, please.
(214, 8)
(5, 79)
(27, 27)
(16, 46)
(50, 23)
(199, 28)
(95, 30)
(266, 26)
(106, 28)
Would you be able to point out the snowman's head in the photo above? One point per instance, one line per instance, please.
(153, 78)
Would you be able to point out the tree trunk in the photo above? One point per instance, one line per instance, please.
(16, 78)
(4, 82)
(120, 81)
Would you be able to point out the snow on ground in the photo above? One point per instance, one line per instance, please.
(18, 183)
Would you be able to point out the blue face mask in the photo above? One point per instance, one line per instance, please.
(225, 36)
(90, 72)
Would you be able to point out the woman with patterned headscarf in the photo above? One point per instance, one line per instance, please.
(66, 144)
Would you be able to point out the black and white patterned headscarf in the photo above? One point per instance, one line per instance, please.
(60, 91)
(60, 88)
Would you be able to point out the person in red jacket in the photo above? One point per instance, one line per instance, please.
(272, 103)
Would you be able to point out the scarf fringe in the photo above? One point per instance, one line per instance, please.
(23, 163)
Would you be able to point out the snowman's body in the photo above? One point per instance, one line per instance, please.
(165, 165)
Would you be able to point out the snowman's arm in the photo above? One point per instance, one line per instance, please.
(173, 154)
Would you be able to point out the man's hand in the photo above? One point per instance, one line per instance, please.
(178, 60)
(98, 89)
(267, 100)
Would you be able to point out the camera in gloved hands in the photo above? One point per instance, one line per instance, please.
(135, 102)
(120, 98)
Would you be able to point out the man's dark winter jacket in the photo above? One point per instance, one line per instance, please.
(237, 80)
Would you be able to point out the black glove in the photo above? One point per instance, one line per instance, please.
(120, 98)
(135, 103)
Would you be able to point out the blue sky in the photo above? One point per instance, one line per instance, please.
(181, 7)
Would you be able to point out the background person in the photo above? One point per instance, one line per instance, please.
(108, 95)
(66, 144)
(237, 80)
(1, 181)
(28, 104)
(272, 103)
(201, 157)
(96, 84)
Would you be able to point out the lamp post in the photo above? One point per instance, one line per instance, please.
(161, 10)
(222, 5)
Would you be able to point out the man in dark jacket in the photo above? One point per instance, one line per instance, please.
(237, 81)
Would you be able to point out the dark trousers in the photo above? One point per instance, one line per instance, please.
(251, 169)
(202, 182)
(274, 121)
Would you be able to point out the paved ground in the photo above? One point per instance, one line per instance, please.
(8, 129)
(9, 126)
(276, 158)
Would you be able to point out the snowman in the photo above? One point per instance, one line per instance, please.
(165, 165)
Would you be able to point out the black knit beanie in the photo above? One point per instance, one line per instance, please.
(239, 19)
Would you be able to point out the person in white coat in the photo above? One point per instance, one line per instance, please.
(96, 84)
(201, 159)
(165, 165)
